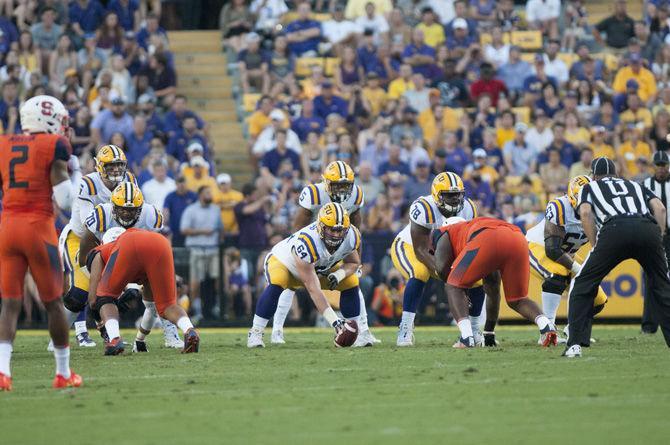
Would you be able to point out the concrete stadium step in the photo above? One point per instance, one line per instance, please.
(204, 45)
(205, 93)
(188, 69)
(221, 81)
(210, 104)
(218, 116)
(200, 58)
(186, 36)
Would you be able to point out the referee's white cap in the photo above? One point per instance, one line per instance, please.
(603, 167)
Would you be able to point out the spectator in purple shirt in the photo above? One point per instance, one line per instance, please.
(327, 103)
(419, 55)
(461, 12)
(85, 15)
(460, 39)
(251, 218)
(304, 34)
(151, 26)
(368, 56)
(138, 142)
(478, 189)
(174, 119)
(456, 157)
(183, 138)
(308, 121)
(146, 104)
(128, 12)
(173, 207)
(8, 35)
(162, 78)
(394, 164)
(273, 160)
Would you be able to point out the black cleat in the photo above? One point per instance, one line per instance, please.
(114, 347)
(103, 334)
(191, 341)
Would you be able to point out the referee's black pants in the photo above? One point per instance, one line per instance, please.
(649, 324)
(619, 239)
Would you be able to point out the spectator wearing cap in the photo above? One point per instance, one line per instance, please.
(402, 83)
(586, 67)
(553, 173)
(394, 163)
(635, 70)
(632, 149)
(180, 140)
(583, 165)
(540, 134)
(451, 86)
(174, 205)
(599, 145)
(253, 64)
(553, 65)
(304, 33)
(273, 159)
(620, 100)
(138, 141)
(307, 122)
(418, 98)
(162, 78)
(85, 15)
(533, 84)
(520, 158)
(618, 27)
(174, 118)
(374, 94)
(151, 26)
(407, 124)
(260, 118)
(339, 30)
(420, 182)
(266, 139)
(227, 199)
(543, 15)
(128, 12)
(433, 31)
(327, 102)
(487, 84)
(374, 21)
(367, 56)
(419, 55)
(515, 71)
(461, 12)
(480, 167)
(115, 119)
(46, 31)
(460, 39)
(636, 113)
(197, 175)
(159, 186)
(146, 105)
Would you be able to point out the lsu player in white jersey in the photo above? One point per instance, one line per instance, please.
(337, 186)
(411, 251)
(322, 255)
(94, 188)
(552, 245)
(127, 209)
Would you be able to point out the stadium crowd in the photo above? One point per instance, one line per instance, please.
(514, 98)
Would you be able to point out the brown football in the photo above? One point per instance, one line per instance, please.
(348, 335)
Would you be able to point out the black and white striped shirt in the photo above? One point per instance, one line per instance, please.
(610, 197)
(662, 191)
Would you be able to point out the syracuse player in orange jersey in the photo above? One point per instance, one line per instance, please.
(33, 169)
(135, 256)
(488, 249)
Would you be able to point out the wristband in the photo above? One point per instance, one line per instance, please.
(330, 315)
(576, 267)
(339, 274)
(488, 333)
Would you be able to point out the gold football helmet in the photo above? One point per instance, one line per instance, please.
(339, 180)
(111, 163)
(333, 224)
(575, 186)
(127, 201)
(448, 193)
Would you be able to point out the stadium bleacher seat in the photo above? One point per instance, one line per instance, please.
(527, 40)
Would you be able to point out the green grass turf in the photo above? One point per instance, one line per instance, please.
(309, 392)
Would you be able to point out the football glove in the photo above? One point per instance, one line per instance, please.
(338, 325)
(335, 278)
(490, 339)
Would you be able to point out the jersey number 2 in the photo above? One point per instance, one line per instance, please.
(21, 159)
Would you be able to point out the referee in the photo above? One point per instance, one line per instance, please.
(616, 215)
(659, 184)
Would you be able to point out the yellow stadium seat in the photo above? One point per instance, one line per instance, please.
(568, 58)
(528, 57)
(486, 38)
(522, 114)
(293, 15)
(513, 184)
(249, 102)
(303, 65)
(528, 40)
(330, 64)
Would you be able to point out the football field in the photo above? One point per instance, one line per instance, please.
(309, 392)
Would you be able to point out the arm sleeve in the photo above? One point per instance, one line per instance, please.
(648, 194)
(63, 149)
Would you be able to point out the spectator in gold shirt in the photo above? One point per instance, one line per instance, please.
(227, 199)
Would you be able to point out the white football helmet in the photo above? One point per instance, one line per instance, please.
(454, 220)
(44, 114)
(112, 234)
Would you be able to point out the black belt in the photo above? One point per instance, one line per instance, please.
(629, 218)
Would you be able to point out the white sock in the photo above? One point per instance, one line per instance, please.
(474, 323)
(140, 336)
(184, 323)
(80, 327)
(550, 303)
(148, 320)
(363, 315)
(62, 356)
(408, 317)
(542, 321)
(112, 327)
(151, 307)
(260, 322)
(5, 358)
(70, 317)
(465, 327)
(283, 308)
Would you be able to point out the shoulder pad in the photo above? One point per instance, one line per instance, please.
(555, 212)
(360, 199)
(305, 248)
(88, 186)
(422, 213)
(310, 197)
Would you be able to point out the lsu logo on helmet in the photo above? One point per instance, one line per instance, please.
(448, 192)
(333, 224)
(111, 163)
(127, 201)
(339, 180)
(575, 186)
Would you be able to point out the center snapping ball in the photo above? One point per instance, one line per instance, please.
(348, 335)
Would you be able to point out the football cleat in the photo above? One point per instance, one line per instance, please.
(479, 338)
(255, 338)
(61, 382)
(548, 336)
(5, 382)
(171, 336)
(573, 351)
(405, 335)
(373, 338)
(50, 346)
(364, 339)
(465, 343)
(277, 337)
(191, 341)
(103, 333)
(140, 346)
(85, 340)
(114, 347)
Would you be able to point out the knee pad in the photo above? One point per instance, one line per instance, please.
(75, 299)
(597, 309)
(101, 301)
(555, 284)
